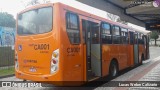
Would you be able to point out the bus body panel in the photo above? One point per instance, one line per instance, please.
(72, 57)
(109, 52)
(131, 56)
(35, 54)
(105, 59)
(141, 52)
(123, 54)
(72, 54)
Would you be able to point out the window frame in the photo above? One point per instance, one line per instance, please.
(68, 13)
(114, 35)
(131, 37)
(140, 38)
(93, 32)
(113, 28)
(103, 28)
(37, 33)
(110, 30)
(125, 31)
(78, 27)
(136, 37)
(84, 23)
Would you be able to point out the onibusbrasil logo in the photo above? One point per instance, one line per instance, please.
(156, 3)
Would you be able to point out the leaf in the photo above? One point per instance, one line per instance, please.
(7, 20)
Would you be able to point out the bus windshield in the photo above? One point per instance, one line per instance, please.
(36, 21)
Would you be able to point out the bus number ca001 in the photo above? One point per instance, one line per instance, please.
(41, 47)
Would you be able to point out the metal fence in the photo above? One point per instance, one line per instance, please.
(6, 56)
(6, 61)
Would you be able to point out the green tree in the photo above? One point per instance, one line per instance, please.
(33, 2)
(121, 21)
(27, 3)
(115, 18)
(7, 20)
(154, 35)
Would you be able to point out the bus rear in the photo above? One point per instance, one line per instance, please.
(37, 44)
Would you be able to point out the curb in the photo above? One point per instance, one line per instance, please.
(7, 76)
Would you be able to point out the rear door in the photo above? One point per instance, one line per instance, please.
(93, 49)
(146, 45)
(136, 49)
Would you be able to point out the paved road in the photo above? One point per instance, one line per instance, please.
(141, 73)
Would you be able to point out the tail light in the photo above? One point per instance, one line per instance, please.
(55, 61)
(16, 61)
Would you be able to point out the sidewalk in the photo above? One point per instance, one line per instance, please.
(150, 73)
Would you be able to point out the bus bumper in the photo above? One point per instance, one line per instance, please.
(50, 79)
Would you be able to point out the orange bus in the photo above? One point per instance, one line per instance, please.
(56, 42)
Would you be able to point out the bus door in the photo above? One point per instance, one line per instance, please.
(93, 49)
(146, 45)
(136, 49)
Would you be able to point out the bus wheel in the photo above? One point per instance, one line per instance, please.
(113, 69)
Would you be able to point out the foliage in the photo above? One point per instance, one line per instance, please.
(33, 2)
(7, 71)
(154, 35)
(112, 17)
(7, 20)
(121, 21)
(116, 18)
(46, 1)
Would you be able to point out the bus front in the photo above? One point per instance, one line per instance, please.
(37, 45)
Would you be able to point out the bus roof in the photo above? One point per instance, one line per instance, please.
(90, 14)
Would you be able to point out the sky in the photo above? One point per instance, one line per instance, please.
(11, 6)
(15, 6)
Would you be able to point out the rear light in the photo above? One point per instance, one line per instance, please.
(16, 61)
(55, 61)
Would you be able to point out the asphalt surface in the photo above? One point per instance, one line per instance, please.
(149, 71)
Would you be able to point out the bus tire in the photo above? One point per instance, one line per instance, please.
(113, 69)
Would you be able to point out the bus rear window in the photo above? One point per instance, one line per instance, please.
(35, 21)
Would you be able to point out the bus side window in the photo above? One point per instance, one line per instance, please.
(72, 22)
(143, 39)
(116, 35)
(131, 38)
(85, 27)
(124, 36)
(140, 39)
(106, 33)
(95, 33)
(135, 38)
